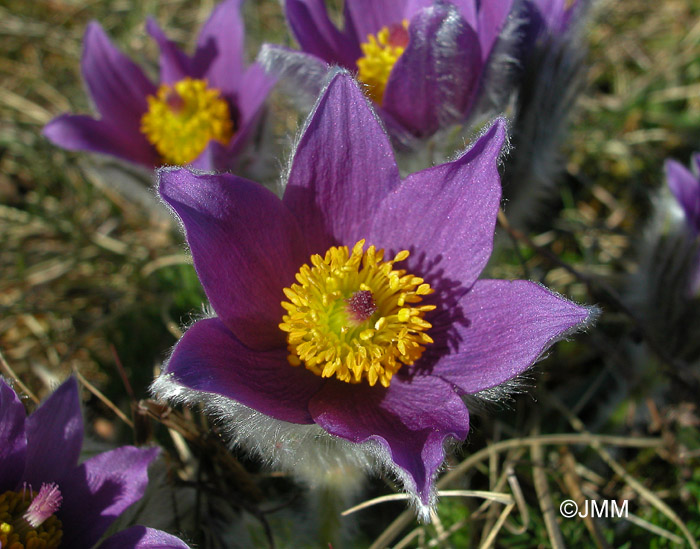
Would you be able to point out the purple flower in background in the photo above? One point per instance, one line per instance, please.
(549, 76)
(202, 113)
(665, 289)
(550, 16)
(382, 327)
(685, 186)
(422, 61)
(44, 492)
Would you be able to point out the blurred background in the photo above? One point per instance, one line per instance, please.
(95, 279)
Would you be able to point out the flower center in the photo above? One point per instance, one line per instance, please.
(183, 118)
(382, 51)
(27, 519)
(354, 316)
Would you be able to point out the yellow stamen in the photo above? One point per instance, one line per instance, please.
(17, 533)
(336, 328)
(382, 51)
(183, 118)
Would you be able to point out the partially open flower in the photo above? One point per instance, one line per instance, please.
(47, 499)
(422, 62)
(550, 75)
(202, 113)
(350, 321)
(665, 289)
(551, 17)
(685, 186)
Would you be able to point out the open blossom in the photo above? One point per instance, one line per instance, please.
(422, 62)
(203, 111)
(47, 499)
(349, 318)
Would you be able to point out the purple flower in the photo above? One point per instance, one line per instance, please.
(549, 76)
(48, 492)
(685, 186)
(202, 113)
(371, 351)
(551, 16)
(422, 61)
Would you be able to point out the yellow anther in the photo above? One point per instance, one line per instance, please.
(348, 316)
(381, 52)
(424, 289)
(183, 118)
(367, 335)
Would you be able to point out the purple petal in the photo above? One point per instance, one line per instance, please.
(54, 435)
(433, 83)
(224, 31)
(369, 16)
(468, 11)
(492, 19)
(83, 133)
(342, 168)
(411, 419)
(304, 73)
(254, 88)
(445, 216)
(317, 35)
(174, 63)
(246, 248)
(217, 157)
(554, 15)
(140, 537)
(99, 490)
(13, 440)
(209, 358)
(501, 328)
(685, 186)
(116, 84)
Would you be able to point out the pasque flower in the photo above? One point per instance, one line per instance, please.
(665, 289)
(685, 186)
(47, 499)
(549, 76)
(349, 319)
(550, 16)
(422, 62)
(202, 113)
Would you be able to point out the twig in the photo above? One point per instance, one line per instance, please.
(393, 530)
(122, 373)
(647, 494)
(11, 373)
(95, 391)
(491, 496)
(209, 444)
(519, 501)
(544, 498)
(573, 485)
(437, 523)
(497, 527)
(634, 519)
